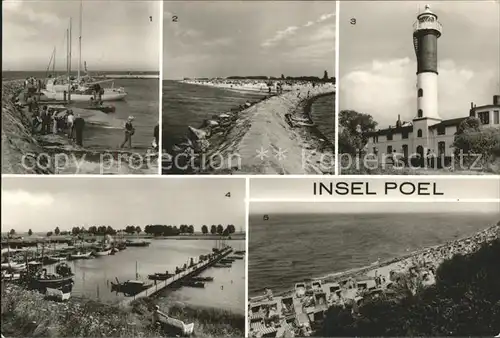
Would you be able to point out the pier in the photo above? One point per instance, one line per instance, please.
(124, 76)
(189, 272)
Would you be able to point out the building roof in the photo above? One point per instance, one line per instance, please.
(443, 123)
(485, 106)
(449, 123)
(386, 131)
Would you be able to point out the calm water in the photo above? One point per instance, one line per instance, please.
(323, 114)
(291, 248)
(105, 131)
(187, 105)
(92, 276)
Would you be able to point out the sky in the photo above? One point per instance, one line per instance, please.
(378, 64)
(243, 38)
(45, 203)
(373, 207)
(116, 34)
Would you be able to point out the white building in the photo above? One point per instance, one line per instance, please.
(427, 133)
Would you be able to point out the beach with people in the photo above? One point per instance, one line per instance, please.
(272, 134)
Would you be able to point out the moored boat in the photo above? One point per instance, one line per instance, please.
(222, 265)
(130, 287)
(80, 255)
(181, 328)
(59, 294)
(160, 276)
(193, 284)
(137, 243)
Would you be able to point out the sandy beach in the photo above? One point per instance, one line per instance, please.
(273, 136)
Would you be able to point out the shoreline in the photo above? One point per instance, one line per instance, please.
(370, 270)
(278, 127)
(55, 154)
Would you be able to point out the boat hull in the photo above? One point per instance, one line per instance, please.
(76, 97)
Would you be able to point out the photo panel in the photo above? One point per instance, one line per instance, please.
(248, 87)
(416, 97)
(351, 269)
(80, 87)
(146, 256)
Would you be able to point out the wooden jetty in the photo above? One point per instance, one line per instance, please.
(189, 272)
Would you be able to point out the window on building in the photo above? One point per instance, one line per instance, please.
(441, 148)
(375, 150)
(484, 116)
(375, 139)
(405, 150)
(405, 134)
(420, 113)
(441, 130)
(419, 133)
(389, 136)
(496, 117)
(420, 92)
(389, 149)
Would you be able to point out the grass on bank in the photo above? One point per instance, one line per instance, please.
(27, 314)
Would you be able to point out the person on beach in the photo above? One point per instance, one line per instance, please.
(45, 116)
(54, 122)
(156, 134)
(129, 131)
(79, 124)
(70, 119)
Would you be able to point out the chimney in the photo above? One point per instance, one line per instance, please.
(471, 105)
(496, 100)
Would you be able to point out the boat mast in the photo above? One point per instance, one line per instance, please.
(69, 62)
(80, 42)
(54, 64)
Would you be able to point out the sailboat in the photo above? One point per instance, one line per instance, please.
(83, 89)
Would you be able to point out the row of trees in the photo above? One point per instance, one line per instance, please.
(156, 230)
(172, 230)
(283, 77)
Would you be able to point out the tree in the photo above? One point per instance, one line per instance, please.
(325, 76)
(75, 231)
(353, 131)
(213, 229)
(93, 230)
(57, 231)
(12, 232)
(138, 229)
(231, 229)
(101, 230)
(130, 229)
(191, 229)
(282, 76)
(220, 229)
(110, 231)
(49, 233)
(204, 229)
(30, 232)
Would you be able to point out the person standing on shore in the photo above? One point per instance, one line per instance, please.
(129, 131)
(79, 124)
(70, 119)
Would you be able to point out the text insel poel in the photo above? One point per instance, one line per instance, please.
(361, 188)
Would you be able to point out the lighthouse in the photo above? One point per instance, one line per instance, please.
(426, 32)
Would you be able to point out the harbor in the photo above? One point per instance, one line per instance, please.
(80, 113)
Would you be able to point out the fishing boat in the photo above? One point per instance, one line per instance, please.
(53, 259)
(83, 89)
(130, 287)
(137, 243)
(240, 252)
(222, 265)
(80, 255)
(300, 289)
(193, 284)
(103, 251)
(160, 276)
(235, 257)
(202, 279)
(13, 266)
(62, 276)
(104, 109)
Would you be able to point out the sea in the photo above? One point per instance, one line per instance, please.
(93, 277)
(187, 105)
(291, 248)
(105, 131)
